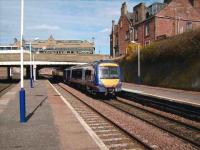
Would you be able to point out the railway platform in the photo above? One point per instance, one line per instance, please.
(173, 95)
(51, 124)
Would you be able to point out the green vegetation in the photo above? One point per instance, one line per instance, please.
(173, 63)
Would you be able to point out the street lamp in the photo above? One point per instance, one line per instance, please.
(31, 65)
(34, 68)
(138, 51)
(34, 65)
(22, 91)
(31, 76)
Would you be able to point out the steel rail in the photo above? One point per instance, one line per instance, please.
(176, 108)
(5, 88)
(157, 114)
(107, 118)
(111, 103)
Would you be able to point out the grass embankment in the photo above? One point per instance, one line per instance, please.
(172, 63)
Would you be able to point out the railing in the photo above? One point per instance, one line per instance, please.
(12, 51)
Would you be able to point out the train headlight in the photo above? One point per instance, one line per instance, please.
(101, 84)
(119, 85)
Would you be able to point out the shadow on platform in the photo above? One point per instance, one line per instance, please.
(32, 113)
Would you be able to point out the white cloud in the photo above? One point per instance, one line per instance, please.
(44, 27)
(106, 30)
(64, 19)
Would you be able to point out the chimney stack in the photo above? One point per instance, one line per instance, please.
(113, 22)
(124, 10)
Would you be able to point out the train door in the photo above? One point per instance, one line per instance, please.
(64, 75)
(68, 75)
(88, 74)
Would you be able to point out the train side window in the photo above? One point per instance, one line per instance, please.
(88, 74)
(77, 74)
(68, 73)
(73, 74)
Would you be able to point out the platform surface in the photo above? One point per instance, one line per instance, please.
(51, 125)
(180, 96)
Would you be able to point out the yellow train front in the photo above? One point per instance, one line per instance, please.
(107, 78)
(97, 77)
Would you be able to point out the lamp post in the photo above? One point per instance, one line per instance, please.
(31, 75)
(22, 91)
(139, 71)
(31, 63)
(34, 68)
(138, 52)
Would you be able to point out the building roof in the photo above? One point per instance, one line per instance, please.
(129, 16)
(57, 44)
(154, 8)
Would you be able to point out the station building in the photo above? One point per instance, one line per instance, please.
(155, 22)
(59, 46)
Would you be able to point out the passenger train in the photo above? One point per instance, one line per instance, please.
(98, 77)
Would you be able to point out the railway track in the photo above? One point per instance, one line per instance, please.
(182, 130)
(114, 137)
(2, 88)
(184, 110)
(147, 134)
(5, 88)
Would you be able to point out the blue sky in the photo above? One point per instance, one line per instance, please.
(64, 19)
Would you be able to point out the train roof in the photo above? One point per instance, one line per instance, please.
(92, 64)
(103, 61)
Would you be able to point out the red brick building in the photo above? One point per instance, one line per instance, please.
(120, 36)
(155, 22)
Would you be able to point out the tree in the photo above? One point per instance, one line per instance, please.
(132, 50)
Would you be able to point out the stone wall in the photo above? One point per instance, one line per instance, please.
(3, 72)
(54, 57)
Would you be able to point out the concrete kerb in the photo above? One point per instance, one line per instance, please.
(97, 140)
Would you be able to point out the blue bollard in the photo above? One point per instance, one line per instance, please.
(22, 105)
(31, 82)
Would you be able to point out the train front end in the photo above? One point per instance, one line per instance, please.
(108, 78)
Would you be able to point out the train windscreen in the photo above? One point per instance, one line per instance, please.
(109, 72)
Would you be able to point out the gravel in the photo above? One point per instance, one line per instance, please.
(166, 114)
(155, 137)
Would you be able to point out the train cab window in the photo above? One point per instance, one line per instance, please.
(104, 72)
(109, 73)
(114, 72)
(88, 74)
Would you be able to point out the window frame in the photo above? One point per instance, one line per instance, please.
(88, 77)
(189, 25)
(109, 75)
(147, 29)
(136, 33)
(127, 35)
(136, 16)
